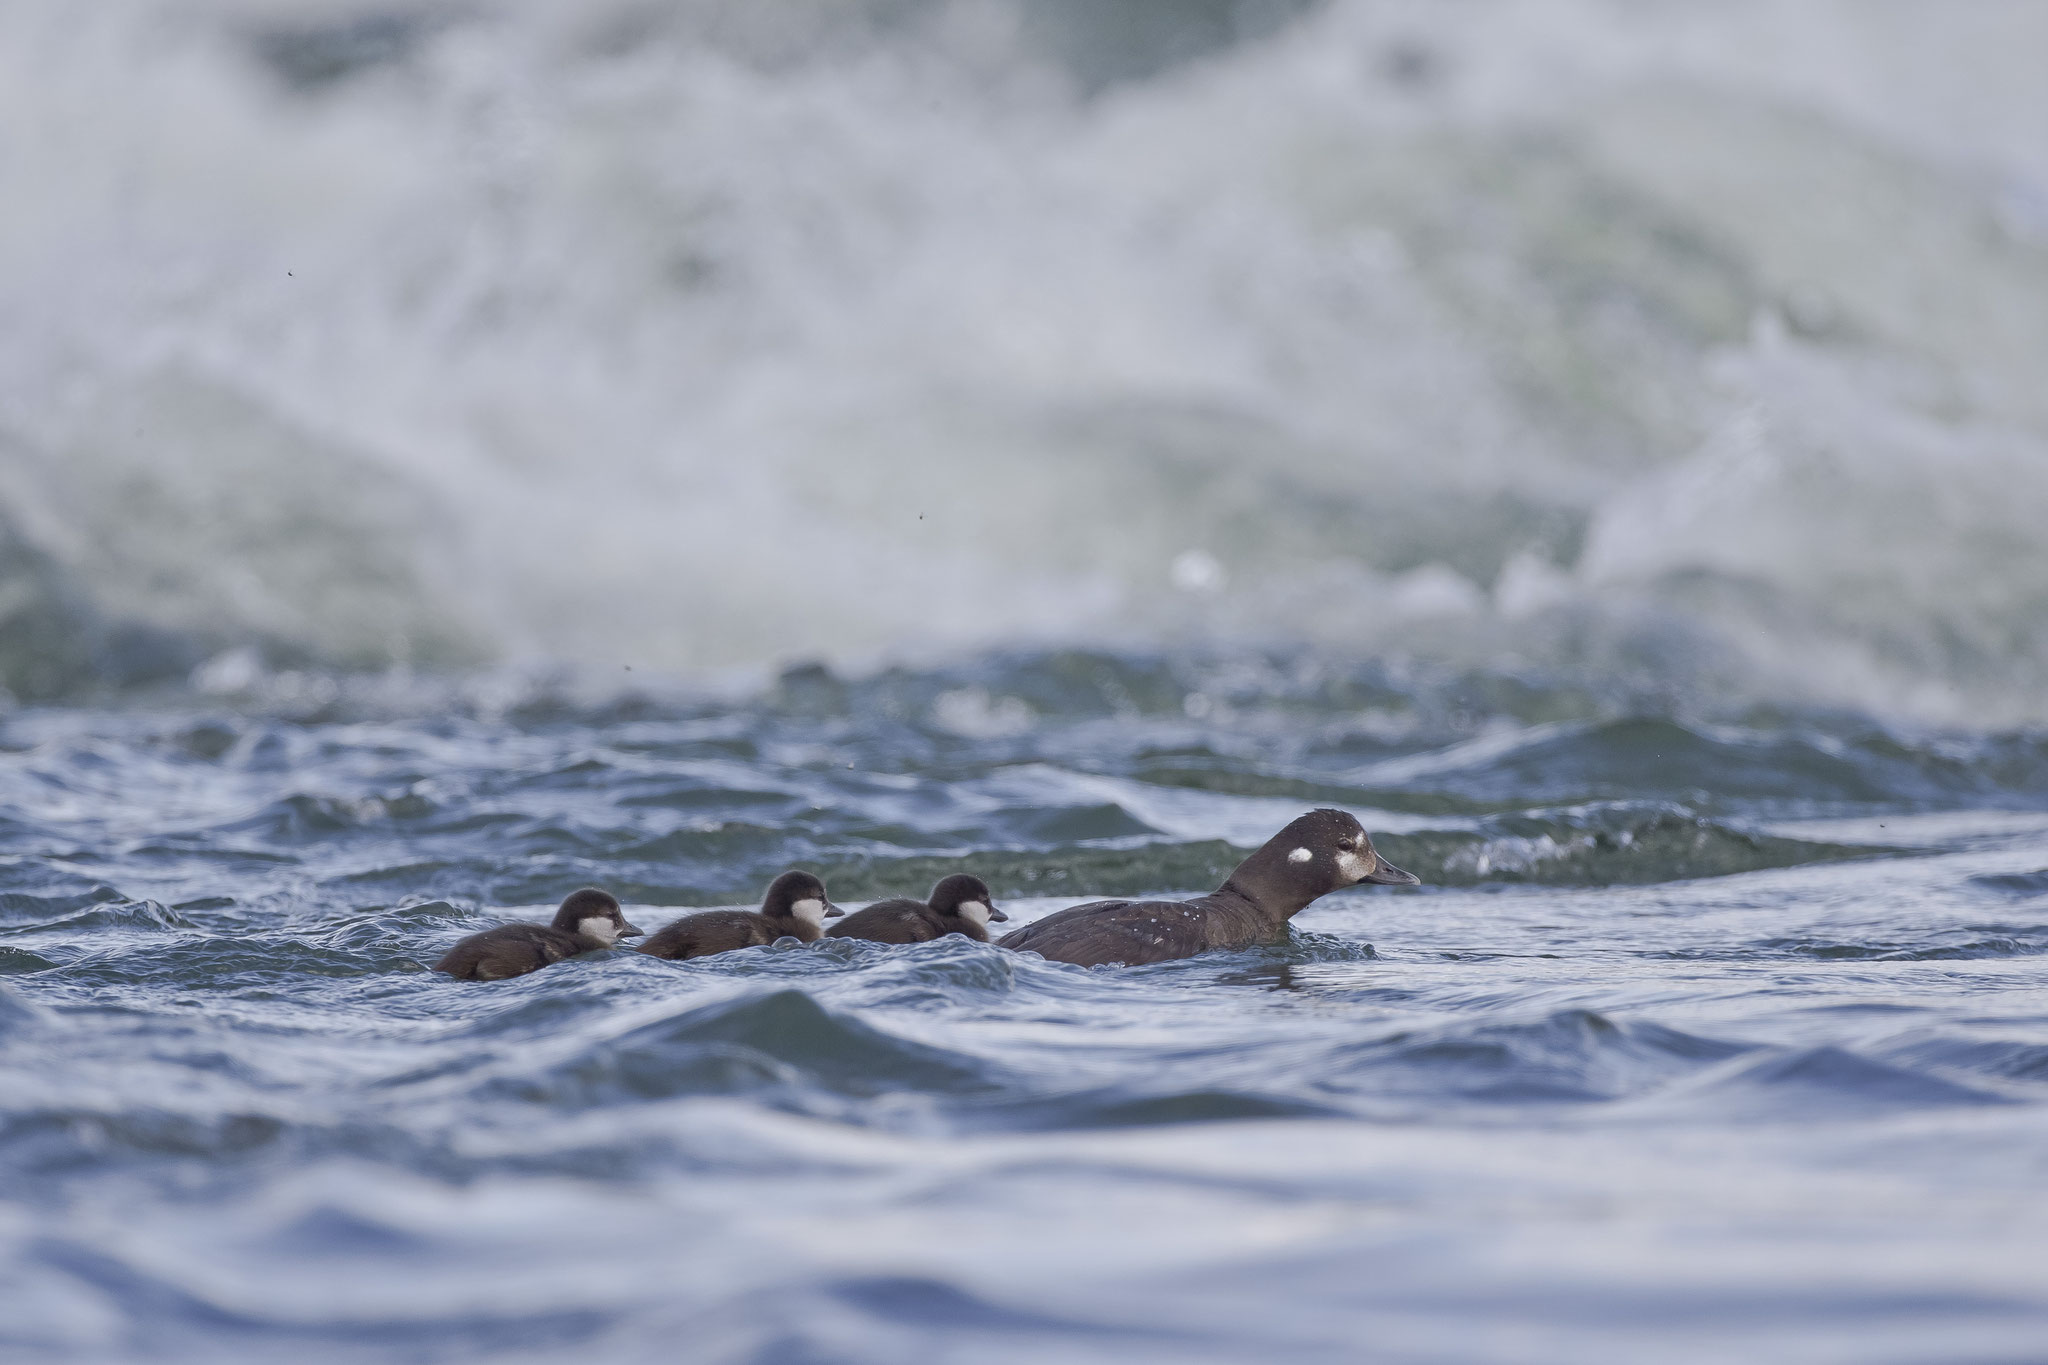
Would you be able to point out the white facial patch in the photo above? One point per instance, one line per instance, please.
(810, 910)
(1300, 855)
(974, 911)
(604, 930)
(1355, 867)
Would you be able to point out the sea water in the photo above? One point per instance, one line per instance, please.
(1698, 1043)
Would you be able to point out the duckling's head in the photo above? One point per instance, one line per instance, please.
(799, 895)
(966, 897)
(594, 915)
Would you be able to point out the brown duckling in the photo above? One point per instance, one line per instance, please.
(959, 904)
(588, 920)
(796, 906)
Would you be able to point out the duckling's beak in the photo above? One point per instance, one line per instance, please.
(997, 915)
(1385, 873)
(631, 930)
(832, 911)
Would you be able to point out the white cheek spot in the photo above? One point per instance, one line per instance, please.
(599, 928)
(974, 911)
(810, 910)
(1353, 867)
(1300, 855)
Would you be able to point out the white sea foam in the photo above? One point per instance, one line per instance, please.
(1696, 342)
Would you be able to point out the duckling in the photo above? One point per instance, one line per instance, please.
(588, 920)
(796, 906)
(960, 904)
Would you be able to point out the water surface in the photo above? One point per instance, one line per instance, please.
(1703, 1042)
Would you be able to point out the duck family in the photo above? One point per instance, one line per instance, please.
(1320, 852)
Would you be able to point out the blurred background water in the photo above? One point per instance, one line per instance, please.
(453, 453)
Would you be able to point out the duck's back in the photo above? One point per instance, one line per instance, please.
(1133, 933)
(509, 950)
(892, 921)
(712, 931)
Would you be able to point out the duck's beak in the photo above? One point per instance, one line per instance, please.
(997, 915)
(1385, 873)
(631, 931)
(832, 911)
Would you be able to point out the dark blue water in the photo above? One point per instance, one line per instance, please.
(1703, 1042)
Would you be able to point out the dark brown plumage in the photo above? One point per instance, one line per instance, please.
(1316, 854)
(795, 907)
(960, 904)
(587, 920)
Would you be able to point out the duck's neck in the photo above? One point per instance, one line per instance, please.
(796, 927)
(1272, 898)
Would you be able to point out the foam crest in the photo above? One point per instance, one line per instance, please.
(1698, 350)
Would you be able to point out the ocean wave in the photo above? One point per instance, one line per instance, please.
(1473, 348)
(1572, 1056)
(781, 1040)
(61, 917)
(1944, 943)
(1611, 846)
(1796, 1084)
(22, 909)
(166, 1302)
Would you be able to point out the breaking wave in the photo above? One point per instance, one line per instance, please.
(1696, 352)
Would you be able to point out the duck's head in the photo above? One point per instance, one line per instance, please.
(594, 915)
(799, 895)
(1320, 852)
(967, 898)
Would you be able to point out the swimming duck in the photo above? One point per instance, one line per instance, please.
(796, 906)
(1316, 854)
(959, 904)
(588, 920)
